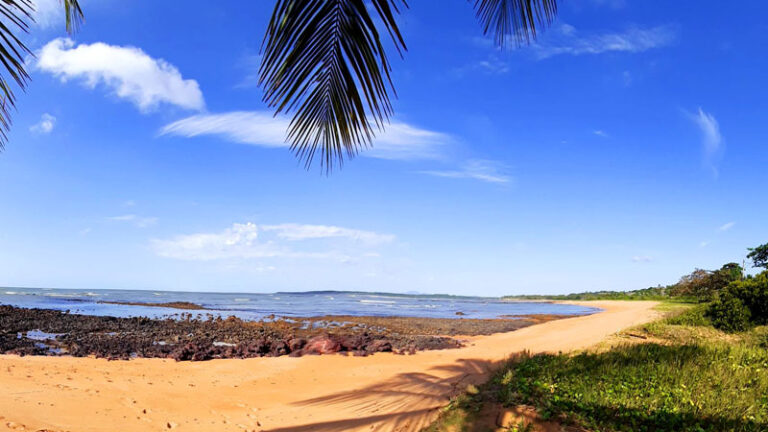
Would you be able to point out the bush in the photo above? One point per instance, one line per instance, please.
(741, 305)
(730, 314)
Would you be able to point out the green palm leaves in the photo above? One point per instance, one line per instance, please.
(319, 57)
(15, 17)
(514, 18)
(324, 61)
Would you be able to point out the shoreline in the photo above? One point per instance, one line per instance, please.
(312, 393)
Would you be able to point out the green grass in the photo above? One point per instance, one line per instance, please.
(646, 387)
(690, 377)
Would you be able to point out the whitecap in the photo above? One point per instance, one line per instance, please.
(377, 301)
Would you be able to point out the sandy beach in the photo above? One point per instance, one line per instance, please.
(383, 392)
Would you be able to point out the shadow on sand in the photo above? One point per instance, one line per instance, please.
(408, 402)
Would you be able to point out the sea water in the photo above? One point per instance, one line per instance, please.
(281, 304)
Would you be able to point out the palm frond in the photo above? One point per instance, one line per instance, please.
(15, 16)
(74, 15)
(321, 59)
(516, 19)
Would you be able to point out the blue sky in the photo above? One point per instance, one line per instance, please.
(622, 150)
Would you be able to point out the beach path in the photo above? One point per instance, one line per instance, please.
(383, 392)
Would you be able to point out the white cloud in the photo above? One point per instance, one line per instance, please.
(483, 170)
(261, 128)
(45, 125)
(138, 221)
(129, 72)
(712, 140)
(292, 231)
(566, 40)
(704, 244)
(48, 13)
(726, 226)
(244, 241)
(627, 78)
(600, 133)
(642, 259)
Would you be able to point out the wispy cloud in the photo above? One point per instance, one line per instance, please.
(252, 241)
(294, 232)
(261, 128)
(45, 125)
(48, 13)
(600, 133)
(712, 139)
(627, 78)
(726, 226)
(138, 221)
(704, 244)
(642, 259)
(127, 71)
(250, 64)
(483, 170)
(566, 40)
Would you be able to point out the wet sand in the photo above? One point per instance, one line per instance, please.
(383, 392)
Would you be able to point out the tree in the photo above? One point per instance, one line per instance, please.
(759, 256)
(16, 16)
(705, 284)
(325, 61)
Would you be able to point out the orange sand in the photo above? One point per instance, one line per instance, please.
(312, 393)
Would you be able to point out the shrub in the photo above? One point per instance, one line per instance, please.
(730, 314)
(741, 305)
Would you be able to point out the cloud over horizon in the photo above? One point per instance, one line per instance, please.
(251, 241)
(126, 71)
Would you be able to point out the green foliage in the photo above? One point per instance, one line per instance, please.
(741, 305)
(647, 387)
(704, 284)
(653, 293)
(759, 256)
(695, 317)
(730, 314)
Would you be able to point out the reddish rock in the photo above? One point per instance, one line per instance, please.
(321, 345)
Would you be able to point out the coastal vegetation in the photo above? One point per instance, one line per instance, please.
(700, 368)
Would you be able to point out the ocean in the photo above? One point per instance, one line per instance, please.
(249, 306)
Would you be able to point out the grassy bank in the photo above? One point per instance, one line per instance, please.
(676, 374)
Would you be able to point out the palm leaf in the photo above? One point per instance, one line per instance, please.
(517, 19)
(15, 16)
(321, 59)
